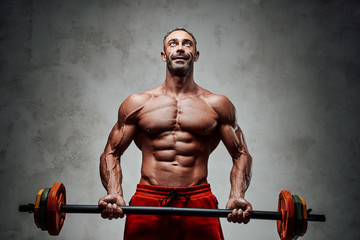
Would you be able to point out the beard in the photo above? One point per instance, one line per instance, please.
(180, 69)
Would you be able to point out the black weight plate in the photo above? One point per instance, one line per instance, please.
(43, 205)
(298, 216)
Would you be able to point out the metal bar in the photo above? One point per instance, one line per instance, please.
(316, 218)
(27, 208)
(199, 212)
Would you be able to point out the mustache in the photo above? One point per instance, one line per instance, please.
(180, 55)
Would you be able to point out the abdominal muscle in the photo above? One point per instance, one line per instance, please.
(174, 159)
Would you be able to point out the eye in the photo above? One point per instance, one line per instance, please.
(187, 44)
(172, 44)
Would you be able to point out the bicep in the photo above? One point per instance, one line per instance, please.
(231, 140)
(230, 132)
(234, 141)
(120, 138)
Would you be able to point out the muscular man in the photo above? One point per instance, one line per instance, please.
(176, 126)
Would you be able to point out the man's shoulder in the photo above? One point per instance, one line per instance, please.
(216, 100)
(212, 97)
(134, 102)
(136, 99)
(221, 105)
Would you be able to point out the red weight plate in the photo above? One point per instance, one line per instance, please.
(286, 206)
(304, 217)
(55, 218)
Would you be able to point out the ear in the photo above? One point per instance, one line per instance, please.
(163, 56)
(197, 55)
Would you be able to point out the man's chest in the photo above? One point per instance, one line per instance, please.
(164, 113)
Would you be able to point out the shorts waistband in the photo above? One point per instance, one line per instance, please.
(158, 190)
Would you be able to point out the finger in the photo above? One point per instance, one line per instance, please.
(104, 213)
(121, 213)
(247, 213)
(246, 218)
(235, 216)
(240, 213)
(249, 208)
(116, 211)
(229, 217)
(110, 211)
(102, 203)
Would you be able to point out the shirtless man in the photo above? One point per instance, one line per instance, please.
(176, 126)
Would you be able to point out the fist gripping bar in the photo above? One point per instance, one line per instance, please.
(50, 209)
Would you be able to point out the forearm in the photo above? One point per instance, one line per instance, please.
(110, 172)
(111, 175)
(240, 175)
(110, 168)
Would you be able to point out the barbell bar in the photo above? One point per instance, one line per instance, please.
(50, 209)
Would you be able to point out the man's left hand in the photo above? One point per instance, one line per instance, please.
(242, 210)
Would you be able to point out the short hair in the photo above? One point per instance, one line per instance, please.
(180, 29)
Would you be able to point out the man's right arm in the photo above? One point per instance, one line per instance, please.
(119, 139)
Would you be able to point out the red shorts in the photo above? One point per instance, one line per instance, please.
(161, 227)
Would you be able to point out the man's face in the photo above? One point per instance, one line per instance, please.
(179, 53)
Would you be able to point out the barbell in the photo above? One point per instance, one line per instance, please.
(50, 209)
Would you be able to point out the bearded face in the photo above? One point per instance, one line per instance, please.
(179, 53)
(180, 64)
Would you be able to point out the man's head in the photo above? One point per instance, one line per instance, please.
(180, 29)
(179, 51)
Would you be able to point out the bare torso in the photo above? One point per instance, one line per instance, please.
(176, 126)
(176, 135)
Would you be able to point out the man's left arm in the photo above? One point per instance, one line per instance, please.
(240, 175)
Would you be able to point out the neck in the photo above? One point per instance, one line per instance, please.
(179, 84)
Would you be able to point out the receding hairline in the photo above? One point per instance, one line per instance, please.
(179, 29)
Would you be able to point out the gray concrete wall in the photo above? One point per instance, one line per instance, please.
(291, 68)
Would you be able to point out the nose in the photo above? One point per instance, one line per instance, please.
(180, 49)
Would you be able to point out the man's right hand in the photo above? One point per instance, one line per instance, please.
(110, 204)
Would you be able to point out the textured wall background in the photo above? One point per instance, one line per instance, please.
(291, 68)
